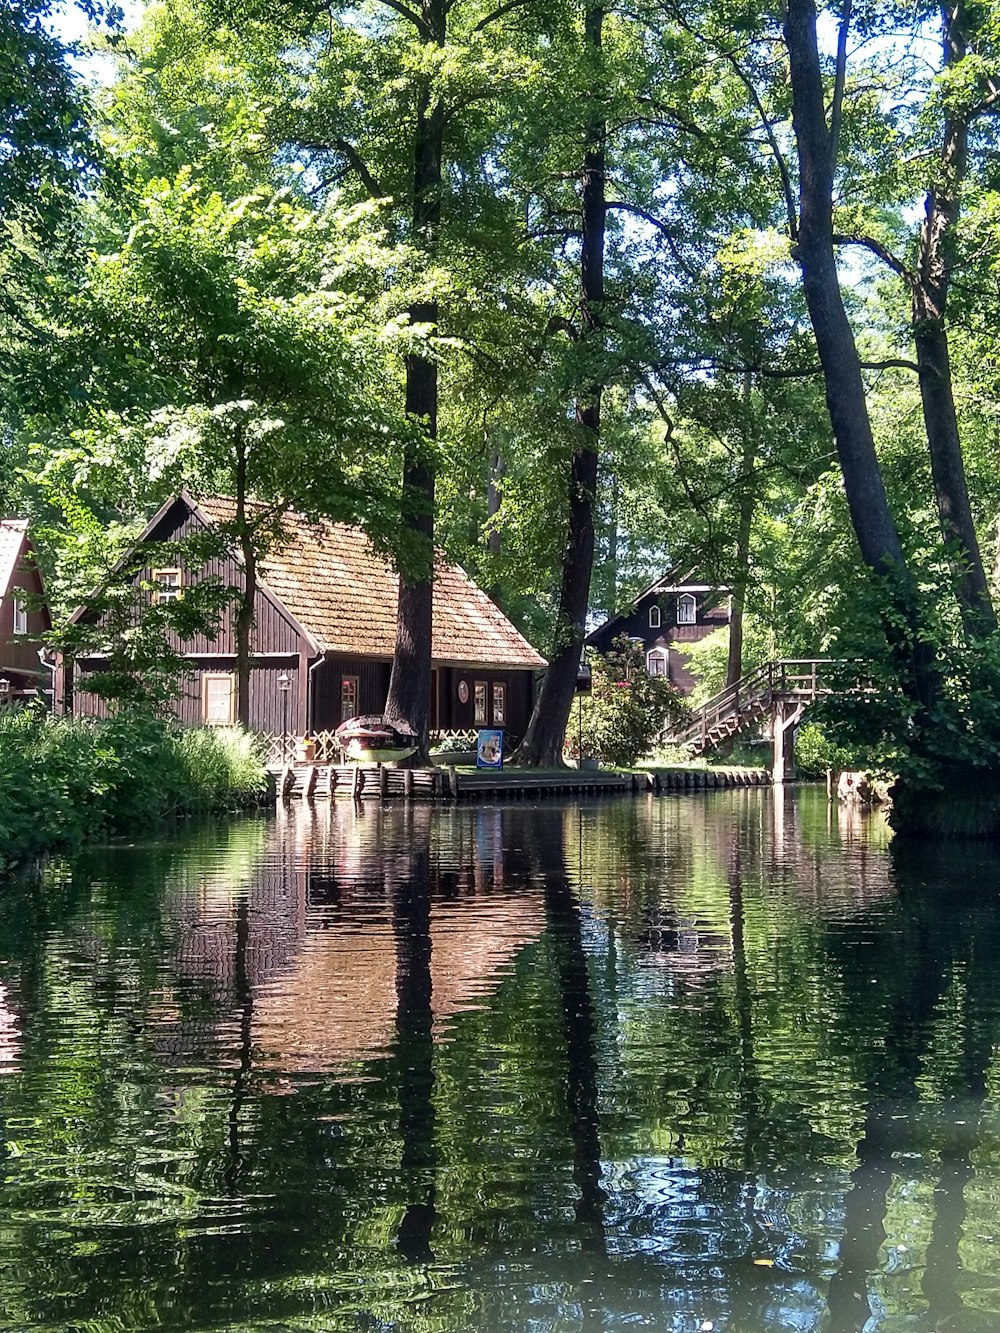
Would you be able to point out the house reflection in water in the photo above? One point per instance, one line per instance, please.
(296, 951)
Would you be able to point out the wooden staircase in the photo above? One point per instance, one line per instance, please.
(758, 695)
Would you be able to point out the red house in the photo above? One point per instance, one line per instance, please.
(324, 635)
(24, 617)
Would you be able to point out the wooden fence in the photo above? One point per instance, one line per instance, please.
(280, 750)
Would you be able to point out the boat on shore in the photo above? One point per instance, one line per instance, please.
(373, 740)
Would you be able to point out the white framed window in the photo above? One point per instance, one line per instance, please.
(499, 705)
(20, 616)
(687, 609)
(655, 617)
(656, 662)
(166, 585)
(348, 698)
(480, 717)
(218, 698)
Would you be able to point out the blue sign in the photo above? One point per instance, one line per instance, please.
(489, 749)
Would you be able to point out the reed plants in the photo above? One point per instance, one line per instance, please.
(66, 780)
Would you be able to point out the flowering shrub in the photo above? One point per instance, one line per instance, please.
(625, 710)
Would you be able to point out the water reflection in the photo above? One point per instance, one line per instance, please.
(717, 1058)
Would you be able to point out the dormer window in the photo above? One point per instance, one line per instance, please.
(655, 617)
(20, 617)
(166, 586)
(687, 609)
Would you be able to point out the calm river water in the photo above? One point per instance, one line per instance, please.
(718, 1061)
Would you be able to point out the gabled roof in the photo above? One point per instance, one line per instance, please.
(13, 532)
(673, 581)
(343, 593)
(676, 581)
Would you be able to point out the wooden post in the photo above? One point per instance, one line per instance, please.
(357, 783)
(408, 783)
(311, 783)
(383, 782)
(452, 782)
(287, 783)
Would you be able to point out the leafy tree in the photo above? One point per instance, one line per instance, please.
(626, 709)
(230, 361)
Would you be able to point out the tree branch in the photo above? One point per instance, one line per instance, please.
(880, 251)
(408, 13)
(355, 159)
(839, 83)
(499, 12)
(620, 206)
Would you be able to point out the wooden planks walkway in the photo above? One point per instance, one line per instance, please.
(312, 782)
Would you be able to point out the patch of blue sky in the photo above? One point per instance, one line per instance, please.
(70, 24)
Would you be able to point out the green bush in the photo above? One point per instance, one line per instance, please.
(63, 780)
(626, 709)
(815, 752)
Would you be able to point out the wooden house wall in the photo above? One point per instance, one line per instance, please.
(455, 715)
(373, 688)
(712, 612)
(273, 631)
(447, 712)
(266, 707)
(19, 654)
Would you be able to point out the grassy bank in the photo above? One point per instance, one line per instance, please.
(65, 780)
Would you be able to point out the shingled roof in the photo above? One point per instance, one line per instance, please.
(344, 593)
(12, 534)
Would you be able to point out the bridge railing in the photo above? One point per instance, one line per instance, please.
(803, 678)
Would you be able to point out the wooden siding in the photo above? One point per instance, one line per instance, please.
(19, 654)
(373, 688)
(447, 711)
(455, 715)
(712, 613)
(266, 707)
(274, 631)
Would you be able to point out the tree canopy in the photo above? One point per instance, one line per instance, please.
(577, 291)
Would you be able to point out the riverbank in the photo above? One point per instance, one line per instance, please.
(64, 781)
(316, 782)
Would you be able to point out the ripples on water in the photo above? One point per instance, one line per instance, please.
(711, 1060)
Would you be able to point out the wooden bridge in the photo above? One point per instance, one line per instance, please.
(777, 693)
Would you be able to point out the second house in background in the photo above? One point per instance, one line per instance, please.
(672, 612)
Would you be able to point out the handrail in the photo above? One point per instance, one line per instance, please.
(798, 677)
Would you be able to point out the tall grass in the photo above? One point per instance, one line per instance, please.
(64, 780)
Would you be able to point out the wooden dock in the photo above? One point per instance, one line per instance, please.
(361, 782)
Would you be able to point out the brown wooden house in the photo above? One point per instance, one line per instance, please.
(672, 611)
(324, 635)
(24, 617)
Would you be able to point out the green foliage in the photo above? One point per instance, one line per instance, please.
(63, 781)
(815, 752)
(708, 658)
(625, 710)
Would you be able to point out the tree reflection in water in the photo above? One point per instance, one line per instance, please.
(719, 1058)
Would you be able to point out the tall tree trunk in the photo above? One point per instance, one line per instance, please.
(873, 524)
(542, 746)
(494, 498)
(610, 598)
(408, 701)
(248, 596)
(741, 580)
(929, 301)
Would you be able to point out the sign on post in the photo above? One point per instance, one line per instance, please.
(489, 748)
